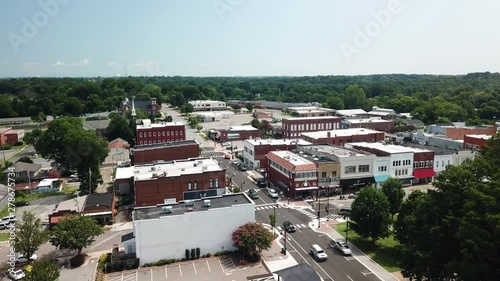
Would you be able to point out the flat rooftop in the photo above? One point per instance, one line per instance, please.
(291, 157)
(206, 101)
(482, 137)
(388, 148)
(350, 112)
(168, 169)
(437, 150)
(224, 201)
(164, 145)
(340, 133)
(311, 118)
(277, 142)
(338, 151)
(305, 108)
(367, 120)
(242, 128)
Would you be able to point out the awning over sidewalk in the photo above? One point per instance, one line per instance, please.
(307, 188)
(357, 182)
(379, 179)
(424, 173)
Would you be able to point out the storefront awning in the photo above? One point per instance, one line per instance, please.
(379, 179)
(306, 188)
(424, 173)
(357, 182)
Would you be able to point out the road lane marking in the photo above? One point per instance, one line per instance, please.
(312, 258)
(208, 266)
(180, 269)
(349, 277)
(194, 267)
(166, 275)
(151, 274)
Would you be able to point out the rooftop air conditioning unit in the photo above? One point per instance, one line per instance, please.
(188, 203)
(166, 209)
(207, 203)
(155, 175)
(204, 168)
(153, 168)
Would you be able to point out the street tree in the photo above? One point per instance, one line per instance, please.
(393, 190)
(75, 232)
(256, 123)
(408, 218)
(249, 107)
(44, 270)
(29, 234)
(370, 214)
(32, 137)
(119, 128)
(272, 220)
(251, 239)
(187, 108)
(198, 127)
(168, 118)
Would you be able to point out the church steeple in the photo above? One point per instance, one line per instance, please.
(133, 108)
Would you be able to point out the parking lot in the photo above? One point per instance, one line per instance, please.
(211, 269)
(41, 207)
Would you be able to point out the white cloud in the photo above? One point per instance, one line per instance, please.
(58, 63)
(29, 64)
(83, 62)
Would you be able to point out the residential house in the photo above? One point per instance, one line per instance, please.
(24, 171)
(97, 126)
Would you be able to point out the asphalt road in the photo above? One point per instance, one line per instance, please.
(337, 267)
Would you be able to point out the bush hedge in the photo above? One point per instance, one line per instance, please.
(77, 260)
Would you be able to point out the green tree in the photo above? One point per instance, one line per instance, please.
(354, 97)
(119, 128)
(29, 235)
(335, 103)
(272, 219)
(75, 232)
(408, 218)
(73, 107)
(187, 108)
(251, 239)
(393, 190)
(256, 123)
(169, 118)
(44, 270)
(249, 106)
(198, 127)
(25, 159)
(370, 214)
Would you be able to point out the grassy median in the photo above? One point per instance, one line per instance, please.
(386, 252)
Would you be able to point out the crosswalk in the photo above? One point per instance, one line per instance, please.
(335, 217)
(299, 226)
(268, 207)
(308, 213)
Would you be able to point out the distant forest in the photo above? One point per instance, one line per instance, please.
(473, 98)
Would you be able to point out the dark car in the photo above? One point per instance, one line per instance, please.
(243, 168)
(261, 182)
(253, 194)
(289, 227)
(21, 203)
(345, 212)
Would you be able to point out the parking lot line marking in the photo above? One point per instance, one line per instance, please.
(349, 277)
(180, 269)
(208, 266)
(194, 267)
(166, 275)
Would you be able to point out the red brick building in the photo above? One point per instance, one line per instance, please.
(255, 150)
(169, 151)
(460, 133)
(423, 165)
(294, 127)
(373, 123)
(148, 133)
(237, 133)
(343, 136)
(9, 136)
(475, 142)
(180, 180)
(292, 174)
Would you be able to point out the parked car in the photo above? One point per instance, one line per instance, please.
(11, 219)
(24, 259)
(345, 212)
(343, 247)
(253, 194)
(21, 203)
(226, 144)
(17, 274)
(243, 168)
(272, 193)
(73, 180)
(261, 182)
(236, 163)
(318, 253)
(227, 156)
(74, 176)
(289, 227)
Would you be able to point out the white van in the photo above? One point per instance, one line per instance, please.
(318, 253)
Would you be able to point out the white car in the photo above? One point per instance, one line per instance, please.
(272, 193)
(17, 274)
(23, 259)
(342, 246)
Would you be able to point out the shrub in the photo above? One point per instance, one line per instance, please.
(203, 256)
(208, 255)
(193, 254)
(187, 254)
(19, 143)
(77, 260)
(198, 253)
(6, 147)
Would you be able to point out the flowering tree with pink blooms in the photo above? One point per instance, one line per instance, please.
(251, 239)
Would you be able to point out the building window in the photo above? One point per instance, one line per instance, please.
(176, 133)
(364, 168)
(150, 142)
(211, 184)
(168, 133)
(163, 133)
(141, 142)
(180, 133)
(334, 174)
(189, 186)
(382, 168)
(216, 183)
(149, 133)
(442, 164)
(350, 169)
(437, 164)
(140, 134)
(195, 186)
(422, 163)
(323, 175)
(154, 134)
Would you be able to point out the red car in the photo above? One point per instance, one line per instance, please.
(227, 156)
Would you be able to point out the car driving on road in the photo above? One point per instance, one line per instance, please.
(253, 194)
(343, 247)
(272, 193)
(289, 227)
(318, 253)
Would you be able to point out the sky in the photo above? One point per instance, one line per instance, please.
(90, 38)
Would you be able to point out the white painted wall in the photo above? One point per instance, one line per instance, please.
(441, 161)
(380, 162)
(168, 237)
(248, 158)
(356, 161)
(463, 155)
(401, 157)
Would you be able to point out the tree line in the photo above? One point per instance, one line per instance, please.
(431, 98)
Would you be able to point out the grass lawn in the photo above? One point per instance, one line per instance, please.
(4, 236)
(21, 196)
(70, 189)
(386, 252)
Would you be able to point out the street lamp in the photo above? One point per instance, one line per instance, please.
(346, 227)
(288, 194)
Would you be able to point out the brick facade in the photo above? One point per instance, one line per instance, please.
(379, 125)
(294, 127)
(165, 151)
(459, 133)
(340, 140)
(155, 191)
(243, 134)
(475, 142)
(157, 133)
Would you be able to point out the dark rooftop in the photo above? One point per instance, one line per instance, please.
(127, 236)
(163, 145)
(437, 150)
(299, 272)
(99, 199)
(179, 208)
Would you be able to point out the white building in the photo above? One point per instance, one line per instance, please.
(351, 112)
(207, 105)
(213, 116)
(255, 150)
(166, 231)
(400, 164)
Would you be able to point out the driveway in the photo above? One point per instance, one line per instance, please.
(42, 207)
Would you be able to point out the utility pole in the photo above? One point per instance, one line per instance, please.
(242, 182)
(319, 208)
(90, 181)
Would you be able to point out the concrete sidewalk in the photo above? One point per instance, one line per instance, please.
(273, 259)
(365, 260)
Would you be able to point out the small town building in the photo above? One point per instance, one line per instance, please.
(255, 150)
(152, 184)
(457, 131)
(148, 133)
(166, 231)
(97, 126)
(294, 127)
(351, 112)
(374, 123)
(384, 113)
(100, 206)
(119, 151)
(24, 171)
(15, 121)
(143, 154)
(48, 185)
(475, 142)
(236, 133)
(310, 111)
(150, 107)
(207, 105)
(213, 116)
(343, 136)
